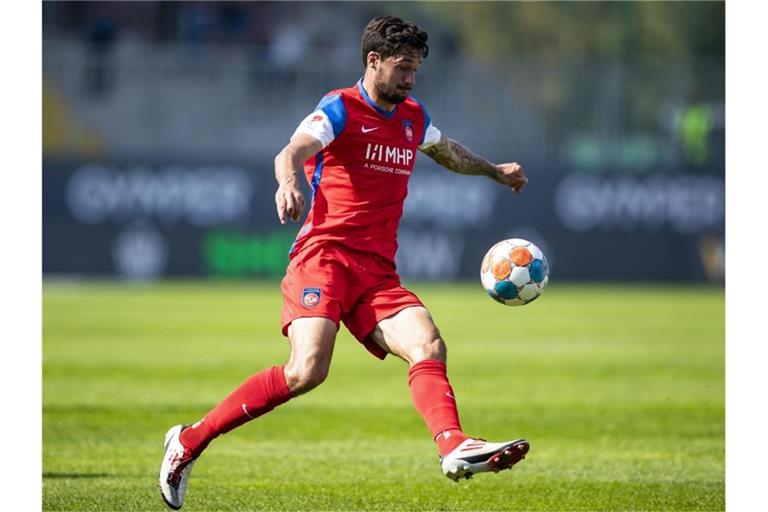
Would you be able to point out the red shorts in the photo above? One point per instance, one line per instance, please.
(344, 285)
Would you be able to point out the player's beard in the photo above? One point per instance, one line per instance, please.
(390, 94)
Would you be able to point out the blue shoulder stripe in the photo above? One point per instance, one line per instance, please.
(333, 107)
(427, 120)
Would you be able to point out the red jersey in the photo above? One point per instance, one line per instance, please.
(360, 179)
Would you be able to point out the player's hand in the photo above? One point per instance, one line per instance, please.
(512, 175)
(289, 201)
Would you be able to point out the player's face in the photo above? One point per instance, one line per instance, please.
(395, 77)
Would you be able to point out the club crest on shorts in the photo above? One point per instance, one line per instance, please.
(310, 297)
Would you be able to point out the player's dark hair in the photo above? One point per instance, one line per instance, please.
(389, 35)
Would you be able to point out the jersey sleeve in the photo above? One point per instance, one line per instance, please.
(318, 126)
(431, 136)
(326, 122)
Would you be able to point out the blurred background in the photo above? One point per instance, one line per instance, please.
(161, 121)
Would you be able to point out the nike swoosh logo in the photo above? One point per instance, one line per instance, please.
(366, 130)
(450, 396)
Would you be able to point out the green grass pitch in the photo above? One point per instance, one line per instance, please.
(619, 389)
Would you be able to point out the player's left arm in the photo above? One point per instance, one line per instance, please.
(457, 158)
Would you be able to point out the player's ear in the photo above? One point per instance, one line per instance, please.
(373, 59)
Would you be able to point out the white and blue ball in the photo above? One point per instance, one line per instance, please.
(514, 272)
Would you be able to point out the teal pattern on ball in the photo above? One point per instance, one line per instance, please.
(506, 290)
(495, 297)
(538, 270)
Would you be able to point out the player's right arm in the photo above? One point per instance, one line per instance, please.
(288, 164)
(315, 132)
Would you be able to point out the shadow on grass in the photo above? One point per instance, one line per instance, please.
(76, 475)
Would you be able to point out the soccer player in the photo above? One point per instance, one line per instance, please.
(357, 150)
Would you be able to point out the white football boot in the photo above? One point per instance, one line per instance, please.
(175, 469)
(479, 456)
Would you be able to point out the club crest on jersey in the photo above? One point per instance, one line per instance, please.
(408, 128)
(310, 297)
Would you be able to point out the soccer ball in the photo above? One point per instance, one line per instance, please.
(514, 272)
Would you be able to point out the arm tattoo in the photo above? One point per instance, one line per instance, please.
(455, 157)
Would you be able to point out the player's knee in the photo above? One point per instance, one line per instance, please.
(305, 376)
(430, 347)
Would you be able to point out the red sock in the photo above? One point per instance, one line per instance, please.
(433, 396)
(258, 395)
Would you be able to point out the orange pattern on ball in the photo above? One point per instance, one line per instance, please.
(502, 269)
(520, 256)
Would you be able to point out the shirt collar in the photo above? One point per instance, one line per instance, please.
(372, 103)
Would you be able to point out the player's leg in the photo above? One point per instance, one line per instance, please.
(312, 340)
(412, 335)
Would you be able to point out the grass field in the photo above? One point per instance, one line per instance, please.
(620, 391)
